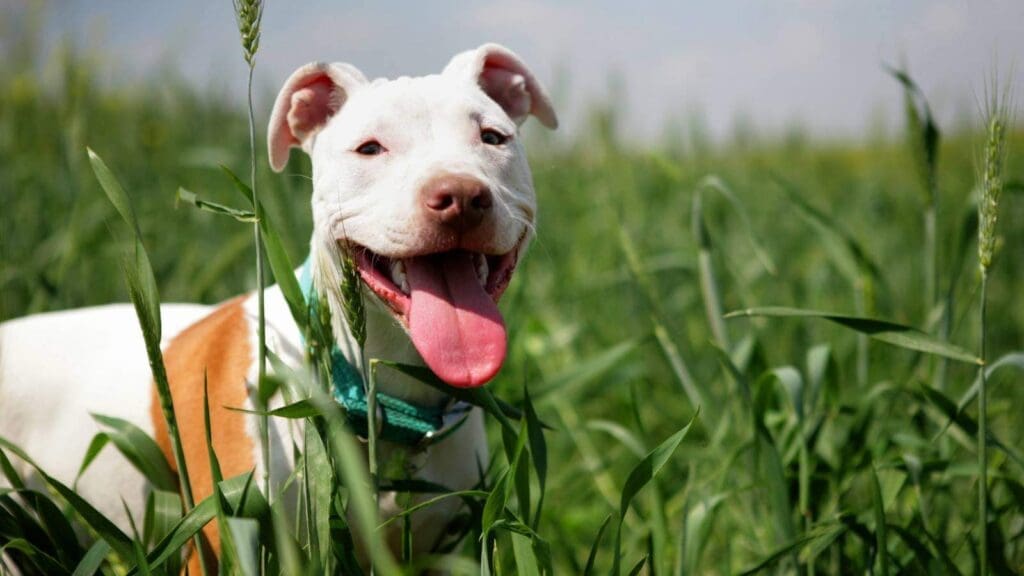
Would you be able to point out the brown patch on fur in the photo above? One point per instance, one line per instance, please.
(218, 344)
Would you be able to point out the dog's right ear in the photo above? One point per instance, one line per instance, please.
(310, 97)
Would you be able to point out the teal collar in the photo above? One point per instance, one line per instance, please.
(401, 421)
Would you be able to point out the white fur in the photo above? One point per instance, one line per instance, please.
(56, 369)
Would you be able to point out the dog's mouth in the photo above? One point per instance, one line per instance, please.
(447, 301)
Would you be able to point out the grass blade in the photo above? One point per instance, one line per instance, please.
(643, 473)
(648, 468)
(280, 264)
(139, 449)
(192, 198)
(881, 532)
(699, 521)
(881, 330)
(92, 560)
(538, 451)
(589, 567)
(142, 270)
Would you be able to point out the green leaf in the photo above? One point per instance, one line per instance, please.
(642, 474)
(298, 410)
(638, 566)
(824, 533)
(319, 479)
(521, 474)
(245, 536)
(847, 253)
(966, 423)
(648, 468)
(1013, 359)
(793, 383)
(928, 554)
(589, 568)
(13, 478)
(495, 503)
(139, 449)
(92, 517)
(698, 527)
(96, 445)
(589, 369)
(193, 199)
(280, 264)
(620, 433)
(115, 193)
(881, 330)
(428, 503)
(163, 511)
(350, 462)
(44, 563)
(821, 372)
(170, 546)
(290, 558)
(56, 525)
(715, 184)
(526, 560)
(881, 534)
(538, 450)
(92, 560)
(141, 281)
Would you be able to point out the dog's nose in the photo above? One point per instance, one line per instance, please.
(457, 201)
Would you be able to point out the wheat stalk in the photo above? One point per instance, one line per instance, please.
(998, 116)
(249, 15)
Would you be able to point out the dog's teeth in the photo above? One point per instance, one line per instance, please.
(481, 269)
(398, 276)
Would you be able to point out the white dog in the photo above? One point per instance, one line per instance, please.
(426, 180)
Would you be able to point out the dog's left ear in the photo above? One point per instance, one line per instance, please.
(507, 80)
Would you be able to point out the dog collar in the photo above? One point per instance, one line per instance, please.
(399, 421)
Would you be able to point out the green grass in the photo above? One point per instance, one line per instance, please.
(815, 447)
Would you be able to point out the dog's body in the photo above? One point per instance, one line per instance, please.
(423, 181)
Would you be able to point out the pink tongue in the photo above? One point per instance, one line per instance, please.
(454, 324)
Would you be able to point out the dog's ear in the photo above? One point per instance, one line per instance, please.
(310, 96)
(507, 80)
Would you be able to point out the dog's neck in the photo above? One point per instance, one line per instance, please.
(385, 338)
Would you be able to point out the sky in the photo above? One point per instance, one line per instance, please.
(766, 64)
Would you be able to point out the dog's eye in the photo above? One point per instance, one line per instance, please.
(370, 148)
(492, 137)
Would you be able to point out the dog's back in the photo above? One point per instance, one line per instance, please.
(59, 368)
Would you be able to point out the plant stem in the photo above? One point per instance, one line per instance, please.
(805, 493)
(371, 431)
(264, 421)
(983, 437)
(930, 255)
(864, 301)
(156, 360)
(371, 426)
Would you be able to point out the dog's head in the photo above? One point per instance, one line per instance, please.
(426, 181)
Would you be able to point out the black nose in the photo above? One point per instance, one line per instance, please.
(457, 201)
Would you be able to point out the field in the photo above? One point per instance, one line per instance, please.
(815, 449)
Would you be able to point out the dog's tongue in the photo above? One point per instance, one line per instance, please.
(454, 324)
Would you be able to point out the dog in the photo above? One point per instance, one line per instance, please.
(424, 182)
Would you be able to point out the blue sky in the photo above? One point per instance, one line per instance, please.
(775, 63)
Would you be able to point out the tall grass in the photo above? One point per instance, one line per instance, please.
(802, 460)
(998, 116)
(249, 16)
